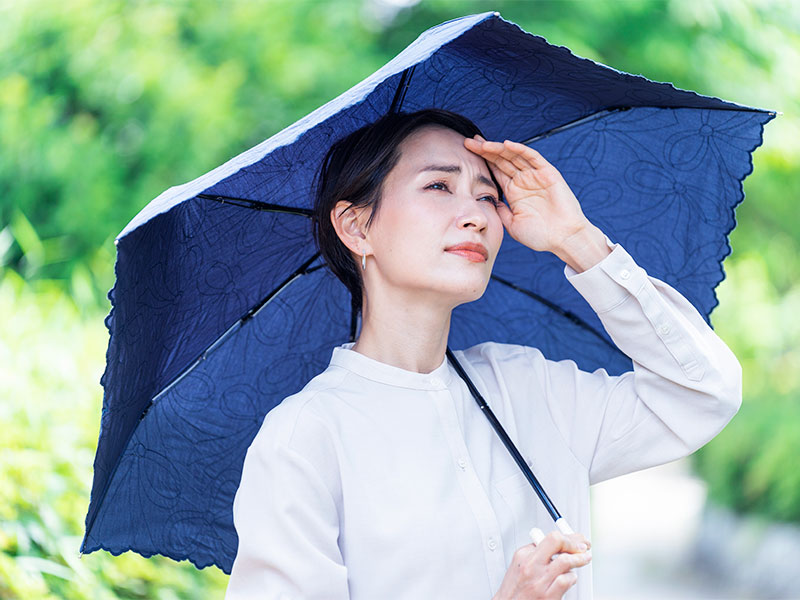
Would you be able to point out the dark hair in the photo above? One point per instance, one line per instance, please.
(354, 170)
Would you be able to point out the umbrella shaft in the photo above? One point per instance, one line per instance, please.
(512, 449)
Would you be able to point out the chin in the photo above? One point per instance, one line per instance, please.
(470, 293)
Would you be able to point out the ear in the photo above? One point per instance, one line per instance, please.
(350, 226)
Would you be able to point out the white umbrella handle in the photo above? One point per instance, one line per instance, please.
(537, 535)
(564, 527)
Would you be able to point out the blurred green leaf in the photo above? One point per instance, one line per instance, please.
(51, 359)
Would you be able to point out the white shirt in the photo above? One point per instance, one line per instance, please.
(374, 482)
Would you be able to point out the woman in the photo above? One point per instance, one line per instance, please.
(381, 479)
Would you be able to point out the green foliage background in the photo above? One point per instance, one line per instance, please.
(105, 103)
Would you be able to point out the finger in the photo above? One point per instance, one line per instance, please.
(505, 166)
(516, 158)
(490, 152)
(484, 148)
(548, 546)
(478, 145)
(502, 179)
(474, 144)
(555, 542)
(561, 584)
(510, 150)
(579, 538)
(564, 562)
(503, 169)
(532, 156)
(511, 157)
(574, 543)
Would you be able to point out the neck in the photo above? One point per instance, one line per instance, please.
(404, 331)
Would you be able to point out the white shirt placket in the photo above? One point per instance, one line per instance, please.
(473, 489)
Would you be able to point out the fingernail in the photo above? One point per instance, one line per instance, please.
(583, 547)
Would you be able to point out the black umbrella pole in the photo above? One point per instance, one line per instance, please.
(561, 523)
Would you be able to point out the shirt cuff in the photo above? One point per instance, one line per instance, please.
(610, 282)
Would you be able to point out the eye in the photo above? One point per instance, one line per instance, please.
(490, 198)
(438, 185)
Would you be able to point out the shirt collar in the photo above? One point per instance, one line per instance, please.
(374, 370)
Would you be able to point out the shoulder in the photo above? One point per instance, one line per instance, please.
(503, 366)
(296, 436)
(301, 416)
(502, 356)
(517, 365)
(509, 356)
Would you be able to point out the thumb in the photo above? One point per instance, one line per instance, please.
(579, 538)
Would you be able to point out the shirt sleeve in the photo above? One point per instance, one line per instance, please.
(287, 522)
(684, 388)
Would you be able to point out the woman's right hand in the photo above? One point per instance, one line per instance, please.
(535, 574)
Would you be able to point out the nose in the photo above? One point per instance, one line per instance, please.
(472, 216)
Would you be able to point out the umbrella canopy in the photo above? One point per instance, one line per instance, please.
(222, 307)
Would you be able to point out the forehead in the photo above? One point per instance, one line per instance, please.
(436, 144)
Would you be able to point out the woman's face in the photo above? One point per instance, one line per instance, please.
(437, 231)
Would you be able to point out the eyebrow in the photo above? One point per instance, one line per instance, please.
(456, 169)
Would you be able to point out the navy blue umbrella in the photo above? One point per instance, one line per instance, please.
(222, 306)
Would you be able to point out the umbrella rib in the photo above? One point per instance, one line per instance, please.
(301, 270)
(402, 88)
(564, 313)
(612, 110)
(576, 122)
(258, 205)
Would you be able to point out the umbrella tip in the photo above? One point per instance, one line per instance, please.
(496, 14)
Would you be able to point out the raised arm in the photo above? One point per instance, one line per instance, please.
(685, 386)
(686, 383)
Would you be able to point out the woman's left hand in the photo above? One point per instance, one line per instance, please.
(542, 211)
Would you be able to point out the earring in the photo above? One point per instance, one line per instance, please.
(364, 260)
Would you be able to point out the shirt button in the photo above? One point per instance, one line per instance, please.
(625, 274)
(462, 463)
(436, 382)
(492, 544)
(664, 329)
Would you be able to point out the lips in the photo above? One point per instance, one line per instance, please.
(471, 251)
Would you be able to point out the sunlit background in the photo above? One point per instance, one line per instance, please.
(105, 103)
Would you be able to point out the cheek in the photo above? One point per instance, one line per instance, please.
(497, 229)
(404, 238)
